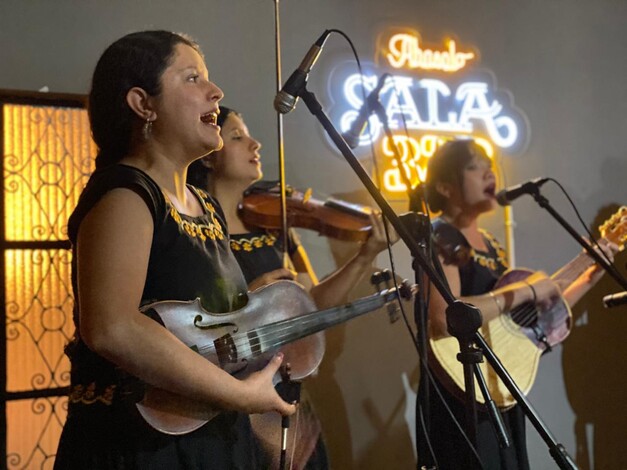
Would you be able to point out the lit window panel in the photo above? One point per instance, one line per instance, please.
(48, 156)
(32, 442)
(38, 318)
(47, 159)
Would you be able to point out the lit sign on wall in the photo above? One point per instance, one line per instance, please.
(434, 94)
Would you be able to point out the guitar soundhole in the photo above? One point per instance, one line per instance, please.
(525, 316)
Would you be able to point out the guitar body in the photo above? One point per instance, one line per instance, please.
(518, 339)
(555, 322)
(241, 353)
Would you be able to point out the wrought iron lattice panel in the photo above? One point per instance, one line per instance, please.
(47, 157)
(38, 318)
(48, 153)
(35, 427)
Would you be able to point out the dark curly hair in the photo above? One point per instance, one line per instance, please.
(135, 60)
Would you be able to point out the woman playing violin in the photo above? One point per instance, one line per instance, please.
(461, 186)
(226, 174)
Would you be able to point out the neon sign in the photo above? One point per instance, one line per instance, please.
(432, 96)
(404, 51)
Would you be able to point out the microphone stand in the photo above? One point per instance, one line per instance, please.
(419, 225)
(469, 356)
(280, 146)
(291, 388)
(462, 319)
(544, 203)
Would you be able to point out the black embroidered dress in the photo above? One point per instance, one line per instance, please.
(478, 276)
(189, 258)
(257, 253)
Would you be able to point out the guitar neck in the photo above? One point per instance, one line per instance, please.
(574, 268)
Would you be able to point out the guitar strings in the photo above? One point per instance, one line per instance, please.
(525, 315)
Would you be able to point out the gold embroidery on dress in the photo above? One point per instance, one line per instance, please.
(489, 262)
(87, 395)
(212, 230)
(249, 244)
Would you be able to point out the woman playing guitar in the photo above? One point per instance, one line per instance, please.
(226, 174)
(461, 185)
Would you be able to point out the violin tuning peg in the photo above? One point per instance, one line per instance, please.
(386, 276)
(376, 279)
(405, 290)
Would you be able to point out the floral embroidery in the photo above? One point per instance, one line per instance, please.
(249, 244)
(212, 230)
(88, 396)
(489, 262)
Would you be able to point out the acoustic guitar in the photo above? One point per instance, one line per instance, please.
(276, 316)
(520, 336)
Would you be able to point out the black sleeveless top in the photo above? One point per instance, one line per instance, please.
(189, 258)
(483, 268)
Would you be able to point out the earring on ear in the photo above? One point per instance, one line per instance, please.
(147, 129)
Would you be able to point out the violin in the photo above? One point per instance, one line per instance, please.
(243, 341)
(261, 207)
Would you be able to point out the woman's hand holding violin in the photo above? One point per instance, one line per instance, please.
(262, 396)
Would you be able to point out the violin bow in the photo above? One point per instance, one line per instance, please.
(280, 147)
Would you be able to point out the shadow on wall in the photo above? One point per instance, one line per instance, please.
(358, 392)
(593, 357)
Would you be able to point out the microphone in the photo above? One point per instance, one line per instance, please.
(613, 300)
(352, 135)
(286, 98)
(507, 195)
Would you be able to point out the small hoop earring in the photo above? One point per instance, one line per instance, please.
(147, 129)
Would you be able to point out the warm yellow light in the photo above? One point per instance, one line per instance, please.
(414, 157)
(404, 51)
(48, 155)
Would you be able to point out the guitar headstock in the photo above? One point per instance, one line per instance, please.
(615, 228)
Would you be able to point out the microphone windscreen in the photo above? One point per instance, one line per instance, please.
(501, 198)
(614, 300)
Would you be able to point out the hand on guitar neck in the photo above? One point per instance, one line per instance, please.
(607, 249)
